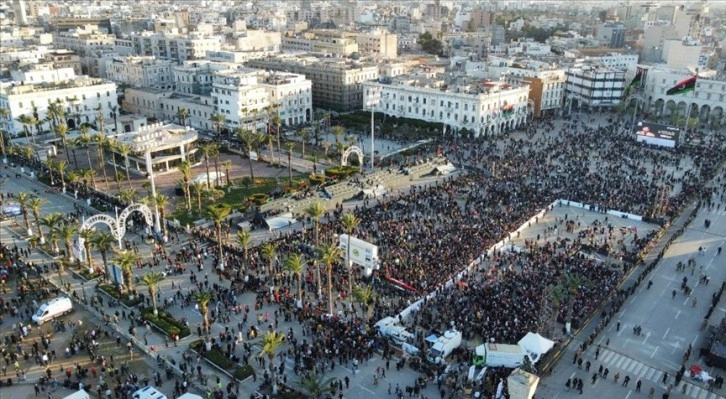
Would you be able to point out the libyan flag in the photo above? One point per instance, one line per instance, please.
(508, 110)
(683, 86)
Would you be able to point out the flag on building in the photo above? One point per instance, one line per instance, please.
(507, 110)
(684, 86)
(637, 83)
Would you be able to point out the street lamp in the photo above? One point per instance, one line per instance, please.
(150, 174)
(83, 289)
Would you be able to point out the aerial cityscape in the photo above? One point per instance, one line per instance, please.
(353, 199)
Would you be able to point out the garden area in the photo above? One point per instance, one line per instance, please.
(166, 323)
(216, 357)
(112, 291)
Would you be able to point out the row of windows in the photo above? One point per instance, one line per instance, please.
(443, 103)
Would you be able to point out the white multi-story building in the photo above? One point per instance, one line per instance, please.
(79, 95)
(619, 61)
(594, 86)
(139, 71)
(483, 108)
(177, 48)
(246, 96)
(707, 101)
(84, 41)
(195, 77)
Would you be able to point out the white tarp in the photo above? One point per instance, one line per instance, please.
(536, 345)
(212, 177)
(189, 396)
(280, 221)
(446, 169)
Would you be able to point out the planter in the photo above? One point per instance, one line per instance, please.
(127, 301)
(165, 323)
(222, 363)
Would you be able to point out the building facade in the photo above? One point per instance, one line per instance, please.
(707, 101)
(378, 43)
(80, 97)
(337, 84)
(486, 108)
(594, 87)
(332, 42)
(167, 144)
(139, 72)
(176, 48)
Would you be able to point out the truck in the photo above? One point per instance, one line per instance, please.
(499, 355)
(388, 328)
(443, 346)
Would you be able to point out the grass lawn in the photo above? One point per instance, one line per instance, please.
(237, 196)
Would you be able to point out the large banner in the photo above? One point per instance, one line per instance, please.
(657, 134)
(361, 252)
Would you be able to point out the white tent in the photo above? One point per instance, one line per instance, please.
(280, 221)
(536, 345)
(212, 177)
(189, 396)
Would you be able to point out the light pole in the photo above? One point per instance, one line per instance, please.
(150, 173)
(374, 97)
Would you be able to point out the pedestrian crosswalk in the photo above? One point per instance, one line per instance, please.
(626, 366)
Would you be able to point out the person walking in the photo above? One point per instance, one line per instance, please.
(665, 378)
(587, 366)
(651, 393)
(568, 383)
(616, 377)
(637, 385)
(626, 380)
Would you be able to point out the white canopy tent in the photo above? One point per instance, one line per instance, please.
(536, 345)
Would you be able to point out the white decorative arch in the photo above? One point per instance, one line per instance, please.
(351, 150)
(103, 219)
(145, 211)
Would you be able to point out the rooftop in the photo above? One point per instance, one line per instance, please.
(157, 135)
(17, 88)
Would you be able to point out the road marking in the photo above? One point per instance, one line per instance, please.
(366, 389)
(679, 312)
(628, 395)
(654, 351)
(573, 374)
(666, 333)
(646, 337)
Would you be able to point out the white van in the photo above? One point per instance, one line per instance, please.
(148, 393)
(52, 309)
(78, 395)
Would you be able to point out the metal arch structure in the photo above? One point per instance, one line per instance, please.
(145, 211)
(352, 150)
(108, 221)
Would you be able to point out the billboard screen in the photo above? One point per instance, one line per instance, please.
(361, 252)
(657, 134)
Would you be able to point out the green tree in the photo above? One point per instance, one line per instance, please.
(202, 299)
(65, 232)
(126, 150)
(430, 44)
(244, 239)
(87, 236)
(24, 202)
(330, 255)
(207, 150)
(295, 264)
(34, 203)
(61, 130)
(271, 342)
(250, 141)
(304, 135)
(268, 252)
(186, 168)
(151, 280)
(289, 163)
(364, 297)
(51, 221)
(218, 212)
(198, 188)
(61, 166)
(127, 196)
(100, 141)
(183, 115)
(316, 387)
(349, 222)
(227, 165)
(126, 261)
(104, 242)
(218, 121)
(161, 201)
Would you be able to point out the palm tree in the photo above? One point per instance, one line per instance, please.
(162, 201)
(268, 252)
(349, 222)
(227, 165)
(289, 163)
(295, 265)
(315, 211)
(65, 232)
(330, 255)
(61, 167)
(151, 280)
(338, 132)
(571, 284)
(24, 201)
(127, 196)
(249, 139)
(100, 141)
(186, 168)
(126, 261)
(84, 140)
(183, 115)
(557, 296)
(89, 174)
(271, 342)
(28, 121)
(218, 212)
(244, 238)
(87, 236)
(363, 296)
(62, 131)
(104, 242)
(51, 221)
(202, 298)
(207, 150)
(198, 188)
(304, 135)
(110, 145)
(316, 387)
(35, 203)
(126, 150)
(218, 121)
